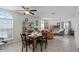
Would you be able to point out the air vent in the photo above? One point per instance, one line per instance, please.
(78, 12)
(52, 13)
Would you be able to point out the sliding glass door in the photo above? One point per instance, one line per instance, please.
(6, 26)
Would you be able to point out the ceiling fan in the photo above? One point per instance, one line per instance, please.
(28, 10)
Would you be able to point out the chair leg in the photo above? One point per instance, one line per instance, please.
(33, 47)
(46, 43)
(41, 49)
(41, 45)
(29, 45)
(36, 45)
(26, 48)
(22, 48)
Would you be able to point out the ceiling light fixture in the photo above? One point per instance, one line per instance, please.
(26, 12)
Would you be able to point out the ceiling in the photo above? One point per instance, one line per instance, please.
(45, 12)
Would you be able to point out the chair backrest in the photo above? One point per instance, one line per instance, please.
(44, 34)
(23, 38)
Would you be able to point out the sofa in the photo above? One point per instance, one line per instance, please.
(60, 32)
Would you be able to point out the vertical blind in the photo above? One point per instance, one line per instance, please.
(6, 24)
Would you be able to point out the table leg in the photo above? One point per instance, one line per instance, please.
(33, 44)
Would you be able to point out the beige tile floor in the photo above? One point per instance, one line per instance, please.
(58, 44)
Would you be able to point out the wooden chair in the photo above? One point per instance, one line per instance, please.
(44, 37)
(25, 41)
(50, 35)
(43, 40)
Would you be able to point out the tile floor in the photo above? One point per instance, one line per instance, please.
(58, 44)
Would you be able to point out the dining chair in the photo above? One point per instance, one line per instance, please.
(42, 40)
(25, 41)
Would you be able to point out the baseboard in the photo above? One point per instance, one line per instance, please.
(13, 41)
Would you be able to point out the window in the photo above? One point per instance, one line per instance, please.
(42, 24)
(6, 25)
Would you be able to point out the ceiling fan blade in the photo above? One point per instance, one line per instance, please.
(33, 10)
(23, 7)
(32, 13)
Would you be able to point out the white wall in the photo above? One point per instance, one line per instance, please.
(76, 26)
